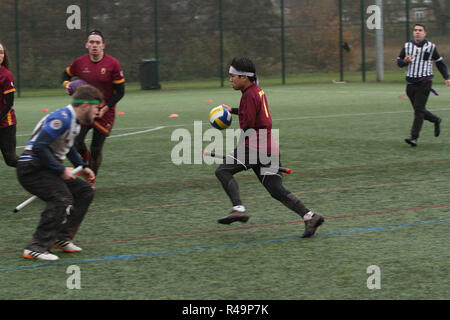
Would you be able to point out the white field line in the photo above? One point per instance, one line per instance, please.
(329, 116)
(136, 132)
(124, 134)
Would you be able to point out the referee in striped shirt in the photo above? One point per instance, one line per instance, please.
(418, 55)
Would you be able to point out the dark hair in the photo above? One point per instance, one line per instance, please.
(420, 25)
(96, 32)
(5, 62)
(86, 92)
(245, 65)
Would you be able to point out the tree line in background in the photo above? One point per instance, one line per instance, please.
(189, 34)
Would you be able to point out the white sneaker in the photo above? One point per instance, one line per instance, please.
(67, 246)
(45, 256)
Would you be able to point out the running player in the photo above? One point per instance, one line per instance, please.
(7, 115)
(417, 56)
(105, 73)
(256, 139)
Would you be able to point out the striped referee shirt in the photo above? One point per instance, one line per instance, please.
(421, 66)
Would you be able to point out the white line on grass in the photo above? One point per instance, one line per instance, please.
(137, 132)
(123, 134)
(277, 119)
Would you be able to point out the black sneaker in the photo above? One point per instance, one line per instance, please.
(411, 141)
(312, 225)
(437, 127)
(234, 216)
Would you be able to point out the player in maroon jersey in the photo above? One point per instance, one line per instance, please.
(7, 115)
(105, 73)
(257, 150)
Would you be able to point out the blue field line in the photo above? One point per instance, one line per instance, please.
(132, 256)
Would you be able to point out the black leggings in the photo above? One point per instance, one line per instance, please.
(8, 145)
(273, 183)
(98, 140)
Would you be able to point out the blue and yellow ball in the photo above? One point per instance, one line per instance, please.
(220, 118)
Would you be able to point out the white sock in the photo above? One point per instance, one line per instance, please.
(239, 208)
(308, 216)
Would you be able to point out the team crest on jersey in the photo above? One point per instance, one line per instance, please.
(103, 70)
(56, 124)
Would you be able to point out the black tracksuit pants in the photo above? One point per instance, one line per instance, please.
(418, 94)
(67, 203)
(271, 181)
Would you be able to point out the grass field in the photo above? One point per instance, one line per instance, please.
(152, 231)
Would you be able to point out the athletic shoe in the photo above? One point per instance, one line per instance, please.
(437, 127)
(45, 256)
(67, 246)
(312, 224)
(412, 142)
(234, 216)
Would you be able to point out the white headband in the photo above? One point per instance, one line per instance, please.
(240, 73)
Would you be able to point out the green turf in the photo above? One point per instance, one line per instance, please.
(345, 145)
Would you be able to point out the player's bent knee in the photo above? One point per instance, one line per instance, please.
(219, 173)
(85, 192)
(64, 201)
(11, 162)
(89, 193)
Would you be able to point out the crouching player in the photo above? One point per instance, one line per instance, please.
(256, 139)
(41, 172)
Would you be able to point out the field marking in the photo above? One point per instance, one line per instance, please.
(176, 235)
(329, 116)
(399, 164)
(136, 132)
(123, 134)
(259, 226)
(224, 246)
(263, 196)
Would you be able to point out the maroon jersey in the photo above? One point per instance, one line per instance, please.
(254, 113)
(6, 86)
(102, 74)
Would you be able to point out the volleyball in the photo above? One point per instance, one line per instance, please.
(220, 118)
